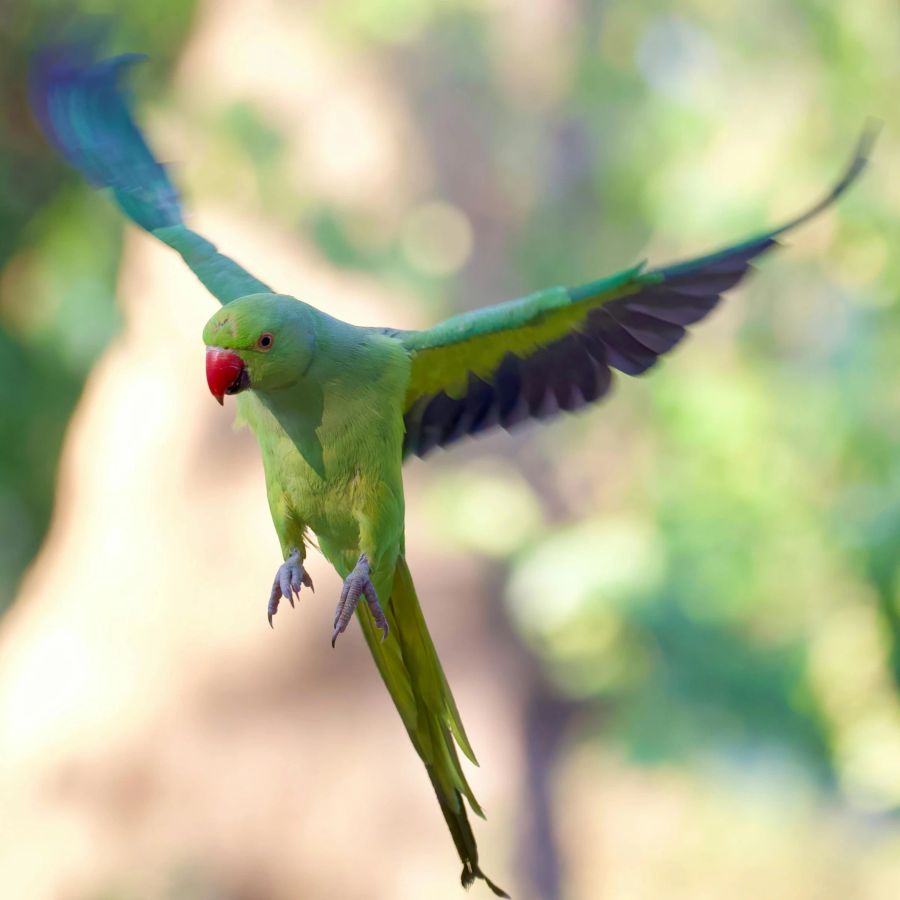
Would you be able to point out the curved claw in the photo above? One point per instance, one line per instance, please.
(376, 610)
(289, 578)
(274, 598)
(358, 584)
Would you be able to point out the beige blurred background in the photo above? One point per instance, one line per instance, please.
(671, 624)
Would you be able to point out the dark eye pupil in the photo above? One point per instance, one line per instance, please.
(265, 340)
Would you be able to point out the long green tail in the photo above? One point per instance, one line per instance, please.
(410, 667)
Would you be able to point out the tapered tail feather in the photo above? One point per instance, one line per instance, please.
(410, 667)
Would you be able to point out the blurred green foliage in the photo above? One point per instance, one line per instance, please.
(713, 560)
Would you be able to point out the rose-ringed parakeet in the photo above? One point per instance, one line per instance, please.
(337, 408)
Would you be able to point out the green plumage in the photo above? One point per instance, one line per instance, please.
(331, 443)
(336, 408)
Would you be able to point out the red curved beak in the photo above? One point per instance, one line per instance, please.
(225, 373)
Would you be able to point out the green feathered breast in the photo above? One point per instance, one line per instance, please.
(337, 408)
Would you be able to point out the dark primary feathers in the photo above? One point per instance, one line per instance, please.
(551, 351)
(556, 350)
(529, 358)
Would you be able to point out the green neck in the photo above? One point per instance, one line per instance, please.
(319, 401)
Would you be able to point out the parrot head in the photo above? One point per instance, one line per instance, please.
(263, 341)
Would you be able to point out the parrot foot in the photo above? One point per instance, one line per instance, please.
(356, 585)
(289, 578)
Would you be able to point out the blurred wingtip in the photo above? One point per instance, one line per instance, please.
(68, 63)
(860, 159)
(869, 136)
(82, 106)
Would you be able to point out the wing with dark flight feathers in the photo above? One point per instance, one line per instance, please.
(556, 349)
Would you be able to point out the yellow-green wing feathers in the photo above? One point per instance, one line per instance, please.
(476, 342)
(556, 349)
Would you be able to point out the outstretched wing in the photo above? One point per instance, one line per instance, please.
(554, 350)
(84, 111)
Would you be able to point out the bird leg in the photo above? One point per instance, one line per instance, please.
(288, 580)
(356, 585)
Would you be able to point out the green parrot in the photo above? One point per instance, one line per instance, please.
(337, 408)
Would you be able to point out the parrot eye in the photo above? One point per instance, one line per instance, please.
(265, 341)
